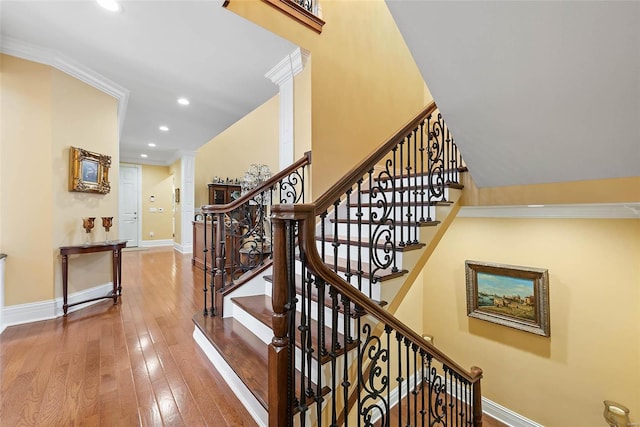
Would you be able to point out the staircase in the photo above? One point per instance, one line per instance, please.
(306, 341)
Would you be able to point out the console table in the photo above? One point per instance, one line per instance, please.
(116, 250)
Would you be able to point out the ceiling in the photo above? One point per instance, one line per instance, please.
(152, 53)
(534, 92)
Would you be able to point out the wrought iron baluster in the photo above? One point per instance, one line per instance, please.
(359, 216)
(322, 348)
(399, 378)
(205, 311)
(348, 273)
(429, 168)
(414, 186)
(323, 235)
(402, 189)
(346, 341)
(407, 214)
(333, 293)
(335, 243)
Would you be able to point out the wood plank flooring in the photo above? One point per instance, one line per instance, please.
(131, 364)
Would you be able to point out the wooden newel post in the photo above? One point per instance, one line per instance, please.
(477, 397)
(279, 348)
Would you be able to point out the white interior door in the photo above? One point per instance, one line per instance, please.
(130, 204)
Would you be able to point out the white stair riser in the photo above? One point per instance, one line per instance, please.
(381, 230)
(408, 195)
(363, 285)
(399, 213)
(354, 252)
(421, 181)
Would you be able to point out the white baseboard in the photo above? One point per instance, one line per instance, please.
(506, 415)
(183, 249)
(255, 409)
(156, 243)
(492, 409)
(50, 309)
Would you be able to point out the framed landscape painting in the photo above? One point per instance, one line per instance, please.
(509, 295)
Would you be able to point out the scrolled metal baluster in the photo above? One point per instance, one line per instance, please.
(372, 402)
(359, 216)
(333, 293)
(323, 235)
(336, 242)
(383, 235)
(348, 273)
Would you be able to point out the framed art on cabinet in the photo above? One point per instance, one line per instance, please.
(88, 171)
(509, 295)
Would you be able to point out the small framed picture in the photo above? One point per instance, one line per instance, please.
(509, 295)
(88, 171)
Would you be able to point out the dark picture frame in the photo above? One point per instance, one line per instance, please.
(88, 171)
(509, 295)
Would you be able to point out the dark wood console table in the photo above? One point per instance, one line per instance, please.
(116, 250)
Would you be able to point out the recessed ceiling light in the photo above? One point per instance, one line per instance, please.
(110, 5)
(183, 101)
(535, 206)
(151, 144)
(143, 155)
(164, 128)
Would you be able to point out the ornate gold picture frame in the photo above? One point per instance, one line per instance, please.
(88, 171)
(509, 295)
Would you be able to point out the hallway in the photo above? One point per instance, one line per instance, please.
(131, 364)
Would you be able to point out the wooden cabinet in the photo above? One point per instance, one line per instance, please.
(220, 194)
(197, 257)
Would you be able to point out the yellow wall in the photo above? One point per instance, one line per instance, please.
(364, 82)
(614, 190)
(175, 170)
(158, 182)
(253, 139)
(593, 353)
(44, 111)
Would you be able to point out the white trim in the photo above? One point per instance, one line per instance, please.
(282, 75)
(2, 324)
(156, 243)
(14, 47)
(255, 409)
(506, 416)
(50, 309)
(182, 248)
(288, 67)
(586, 211)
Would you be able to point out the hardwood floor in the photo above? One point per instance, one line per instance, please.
(134, 363)
(131, 364)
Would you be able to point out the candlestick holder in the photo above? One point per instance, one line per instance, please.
(87, 224)
(107, 222)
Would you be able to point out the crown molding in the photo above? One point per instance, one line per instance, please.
(289, 67)
(18, 48)
(586, 211)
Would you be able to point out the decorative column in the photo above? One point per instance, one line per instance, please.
(187, 200)
(282, 75)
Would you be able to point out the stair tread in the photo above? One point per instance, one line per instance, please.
(245, 353)
(259, 306)
(454, 185)
(365, 242)
(380, 275)
(418, 174)
(412, 204)
(327, 299)
(400, 223)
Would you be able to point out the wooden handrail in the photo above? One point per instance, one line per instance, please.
(350, 178)
(217, 209)
(306, 214)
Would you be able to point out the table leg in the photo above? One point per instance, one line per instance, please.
(65, 270)
(120, 271)
(114, 265)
